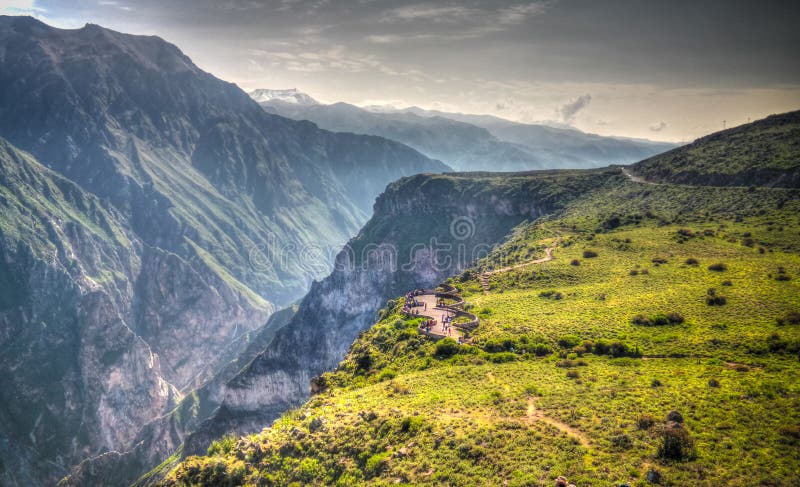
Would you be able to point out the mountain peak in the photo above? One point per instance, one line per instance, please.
(291, 95)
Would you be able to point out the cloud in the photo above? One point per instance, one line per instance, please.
(658, 127)
(20, 7)
(432, 12)
(517, 14)
(569, 111)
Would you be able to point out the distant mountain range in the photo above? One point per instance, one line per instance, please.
(466, 142)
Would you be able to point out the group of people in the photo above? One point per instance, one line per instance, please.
(411, 307)
(411, 302)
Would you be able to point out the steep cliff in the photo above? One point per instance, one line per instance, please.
(166, 216)
(425, 228)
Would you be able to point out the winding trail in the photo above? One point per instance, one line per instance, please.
(536, 415)
(484, 278)
(636, 179)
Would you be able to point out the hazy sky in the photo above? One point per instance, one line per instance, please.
(640, 68)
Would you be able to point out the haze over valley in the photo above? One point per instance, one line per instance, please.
(372, 243)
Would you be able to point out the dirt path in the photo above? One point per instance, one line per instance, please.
(636, 179)
(484, 278)
(536, 415)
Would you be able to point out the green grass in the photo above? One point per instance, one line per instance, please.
(559, 376)
(763, 152)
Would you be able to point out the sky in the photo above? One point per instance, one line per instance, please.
(662, 70)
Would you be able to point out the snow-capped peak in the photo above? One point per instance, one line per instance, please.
(287, 96)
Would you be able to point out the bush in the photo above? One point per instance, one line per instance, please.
(790, 318)
(713, 382)
(621, 441)
(502, 357)
(551, 294)
(363, 360)
(692, 261)
(727, 283)
(656, 383)
(589, 254)
(446, 347)
(634, 272)
(376, 464)
(646, 421)
(575, 262)
(222, 446)
(713, 299)
(658, 319)
(675, 318)
(718, 267)
(676, 442)
(790, 434)
(568, 363)
(675, 416)
(573, 374)
(659, 260)
(568, 341)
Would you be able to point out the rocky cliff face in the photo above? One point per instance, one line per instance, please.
(424, 229)
(162, 215)
(76, 377)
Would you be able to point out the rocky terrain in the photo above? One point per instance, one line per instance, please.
(154, 221)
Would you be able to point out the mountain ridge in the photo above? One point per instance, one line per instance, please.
(231, 211)
(476, 142)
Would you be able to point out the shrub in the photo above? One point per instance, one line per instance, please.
(675, 318)
(692, 261)
(656, 383)
(713, 382)
(621, 441)
(589, 254)
(575, 262)
(569, 363)
(658, 319)
(634, 272)
(790, 318)
(676, 442)
(363, 360)
(502, 357)
(376, 463)
(551, 294)
(222, 446)
(573, 374)
(568, 341)
(783, 277)
(446, 347)
(659, 260)
(727, 283)
(675, 416)
(646, 421)
(714, 299)
(718, 267)
(541, 349)
(790, 434)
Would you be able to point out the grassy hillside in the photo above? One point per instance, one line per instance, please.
(658, 299)
(762, 153)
